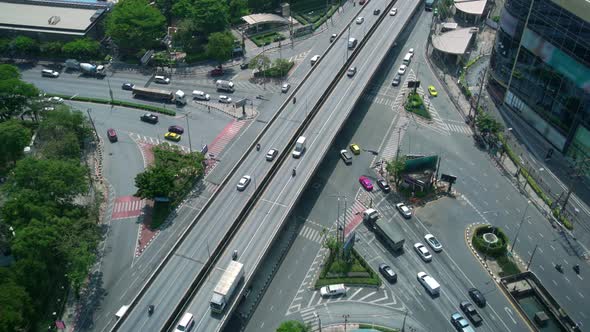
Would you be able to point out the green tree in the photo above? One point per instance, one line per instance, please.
(5, 46)
(165, 7)
(331, 243)
(189, 38)
(25, 205)
(66, 146)
(82, 48)
(282, 66)
(396, 168)
(53, 48)
(135, 25)
(261, 62)
(15, 303)
(9, 72)
(210, 15)
(237, 9)
(293, 326)
(14, 137)
(56, 181)
(183, 9)
(155, 182)
(60, 122)
(220, 46)
(23, 45)
(487, 124)
(15, 95)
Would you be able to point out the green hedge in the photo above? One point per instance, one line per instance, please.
(378, 328)
(301, 19)
(494, 250)
(415, 104)
(508, 266)
(374, 280)
(150, 108)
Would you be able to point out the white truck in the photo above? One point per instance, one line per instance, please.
(178, 97)
(224, 85)
(299, 147)
(86, 68)
(226, 286)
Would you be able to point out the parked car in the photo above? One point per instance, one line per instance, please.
(244, 182)
(392, 12)
(355, 149)
(477, 297)
(460, 323)
(333, 37)
(127, 86)
(387, 273)
(433, 242)
(366, 183)
(49, 73)
(404, 210)
(55, 100)
(112, 135)
(411, 51)
(218, 71)
(176, 129)
(347, 158)
(149, 117)
(172, 136)
(423, 252)
(396, 80)
(224, 99)
(382, 183)
(271, 154)
(360, 20)
(351, 71)
(285, 87)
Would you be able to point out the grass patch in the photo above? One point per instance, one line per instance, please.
(508, 266)
(415, 104)
(154, 109)
(160, 213)
(353, 272)
(378, 328)
(267, 38)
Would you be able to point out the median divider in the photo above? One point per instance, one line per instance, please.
(154, 109)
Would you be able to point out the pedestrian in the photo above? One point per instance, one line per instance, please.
(209, 109)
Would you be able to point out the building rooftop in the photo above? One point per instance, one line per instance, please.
(264, 18)
(455, 41)
(473, 7)
(47, 18)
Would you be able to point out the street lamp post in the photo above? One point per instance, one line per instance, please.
(188, 131)
(519, 226)
(319, 320)
(345, 320)
(532, 255)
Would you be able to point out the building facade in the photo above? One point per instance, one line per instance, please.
(549, 84)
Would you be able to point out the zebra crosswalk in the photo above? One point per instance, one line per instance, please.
(138, 138)
(311, 234)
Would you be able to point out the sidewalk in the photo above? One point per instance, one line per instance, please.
(532, 153)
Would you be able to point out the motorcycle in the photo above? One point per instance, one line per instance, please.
(577, 268)
(150, 309)
(293, 172)
(258, 147)
(559, 268)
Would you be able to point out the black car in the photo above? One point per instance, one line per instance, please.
(383, 185)
(333, 37)
(345, 157)
(244, 65)
(388, 273)
(127, 86)
(176, 129)
(377, 12)
(149, 117)
(396, 80)
(477, 297)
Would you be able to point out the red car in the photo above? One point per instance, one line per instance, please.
(217, 72)
(366, 183)
(362, 2)
(112, 135)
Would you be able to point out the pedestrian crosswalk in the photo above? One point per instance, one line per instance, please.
(224, 137)
(127, 207)
(138, 138)
(299, 57)
(311, 234)
(462, 129)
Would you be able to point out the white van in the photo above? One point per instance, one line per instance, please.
(49, 73)
(161, 79)
(333, 290)
(186, 323)
(408, 59)
(299, 147)
(314, 59)
(370, 215)
(431, 285)
(200, 95)
(352, 43)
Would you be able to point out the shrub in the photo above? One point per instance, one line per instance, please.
(84, 48)
(25, 46)
(53, 49)
(508, 266)
(497, 249)
(150, 108)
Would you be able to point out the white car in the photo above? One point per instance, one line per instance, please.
(411, 51)
(351, 71)
(56, 100)
(360, 20)
(404, 210)
(224, 99)
(402, 69)
(244, 182)
(285, 87)
(423, 252)
(433, 242)
(393, 12)
(271, 154)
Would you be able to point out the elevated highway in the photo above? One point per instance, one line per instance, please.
(184, 281)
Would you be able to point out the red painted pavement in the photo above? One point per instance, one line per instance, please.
(127, 207)
(146, 233)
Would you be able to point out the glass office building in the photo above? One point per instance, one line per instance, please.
(549, 86)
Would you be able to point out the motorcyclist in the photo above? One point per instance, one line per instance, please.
(150, 309)
(293, 172)
(235, 255)
(257, 146)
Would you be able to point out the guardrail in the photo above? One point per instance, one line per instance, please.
(209, 262)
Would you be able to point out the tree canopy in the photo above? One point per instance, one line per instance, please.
(14, 137)
(220, 46)
(293, 326)
(15, 95)
(135, 25)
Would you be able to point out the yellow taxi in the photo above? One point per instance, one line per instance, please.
(172, 136)
(355, 148)
(432, 91)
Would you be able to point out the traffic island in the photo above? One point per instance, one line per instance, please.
(349, 269)
(415, 104)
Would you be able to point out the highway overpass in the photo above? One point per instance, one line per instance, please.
(169, 287)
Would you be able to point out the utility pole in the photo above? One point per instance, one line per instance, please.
(532, 255)
(404, 322)
(528, 203)
(578, 170)
(483, 79)
(319, 320)
(345, 320)
(188, 131)
(92, 122)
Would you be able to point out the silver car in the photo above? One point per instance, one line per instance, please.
(404, 210)
(285, 87)
(423, 252)
(244, 182)
(433, 242)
